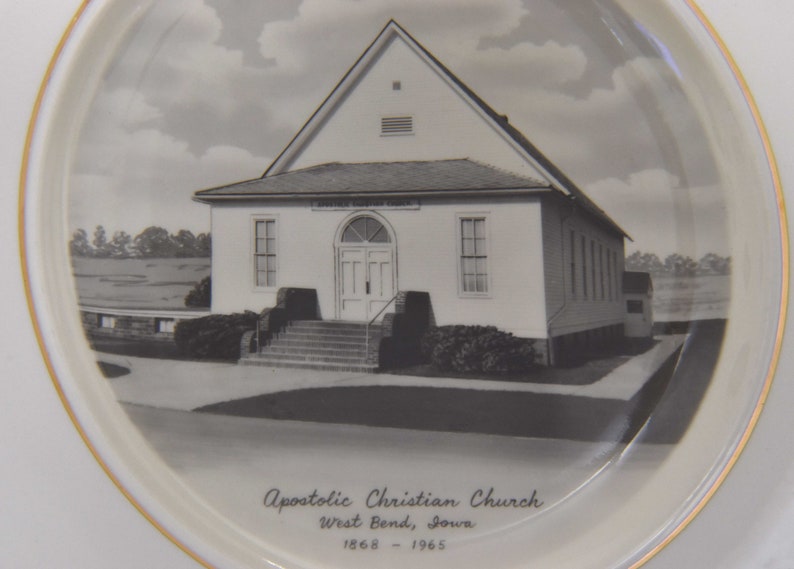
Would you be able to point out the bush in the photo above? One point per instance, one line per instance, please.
(477, 349)
(201, 294)
(453, 336)
(214, 337)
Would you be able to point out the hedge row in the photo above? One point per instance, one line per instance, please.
(477, 349)
(214, 337)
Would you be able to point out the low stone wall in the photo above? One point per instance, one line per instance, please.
(131, 324)
(397, 343)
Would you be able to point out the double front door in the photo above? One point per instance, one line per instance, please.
(365, 281)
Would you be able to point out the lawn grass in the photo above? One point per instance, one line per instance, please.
(137, 283)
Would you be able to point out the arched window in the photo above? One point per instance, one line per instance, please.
(365, 230)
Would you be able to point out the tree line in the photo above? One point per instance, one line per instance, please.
(151, 242)
(679, 265)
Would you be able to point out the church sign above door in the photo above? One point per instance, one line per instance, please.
(365, 203)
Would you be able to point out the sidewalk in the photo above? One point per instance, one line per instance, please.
(186, 385)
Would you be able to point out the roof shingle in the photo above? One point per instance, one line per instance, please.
(337, 178)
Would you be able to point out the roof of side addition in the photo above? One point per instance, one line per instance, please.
(635, 282)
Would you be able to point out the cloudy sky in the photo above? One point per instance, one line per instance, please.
(207, 92)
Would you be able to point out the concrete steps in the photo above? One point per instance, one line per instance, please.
(319, 345)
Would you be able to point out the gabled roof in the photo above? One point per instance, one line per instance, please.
(635, 282)
(432, 178)
(556, 178)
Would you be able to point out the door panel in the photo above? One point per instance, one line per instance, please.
(381, 280)
(352, 284)
(366, 281)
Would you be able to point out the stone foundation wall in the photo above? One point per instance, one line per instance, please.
(581, 345)
(148, 325)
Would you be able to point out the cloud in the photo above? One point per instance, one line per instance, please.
(550, 65)
(311, 52)
(147, 177)
(241, 28)
(344, 24)
(643, 120)
(207, 93)
(662, 216)
(130, 106)
(169, 121)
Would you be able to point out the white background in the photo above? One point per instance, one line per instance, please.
(59, 510)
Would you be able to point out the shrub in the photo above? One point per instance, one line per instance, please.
(214, 337)
(453, 336)
(516, 358)
(201, 294)
(477, 349)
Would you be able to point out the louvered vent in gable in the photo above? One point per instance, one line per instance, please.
(396, 125)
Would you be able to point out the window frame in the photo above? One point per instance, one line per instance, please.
(593, 268)
(572, 262)
(601, 270)
(583, 241)
(105, 321)
(459, 219)
(164, 325)
(616, 275)
(368, 242)
(255, 254)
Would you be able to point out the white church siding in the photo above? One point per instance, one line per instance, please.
(575, 297)
(430, 261)
(427, 256)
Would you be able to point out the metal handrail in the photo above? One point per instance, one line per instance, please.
(366, 328)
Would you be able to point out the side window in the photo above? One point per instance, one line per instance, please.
(265, 252)
(593, 268)
(473, 255)
(573, 263)
(601, 270)
(584, 266)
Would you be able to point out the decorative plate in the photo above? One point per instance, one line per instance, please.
(384, 283)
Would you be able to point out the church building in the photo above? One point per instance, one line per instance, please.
(405, 181)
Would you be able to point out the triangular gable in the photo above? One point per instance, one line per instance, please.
(391, 32)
